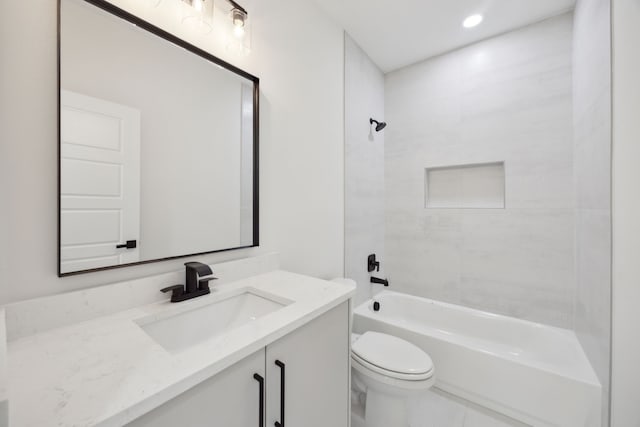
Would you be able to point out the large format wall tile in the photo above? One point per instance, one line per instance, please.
(507, 99)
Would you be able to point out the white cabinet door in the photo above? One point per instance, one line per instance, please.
(315, 359)
(229, 399)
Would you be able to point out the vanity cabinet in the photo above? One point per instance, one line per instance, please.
(315, 359)
(229, 399)
(314, 362)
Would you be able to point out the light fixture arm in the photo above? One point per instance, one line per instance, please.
(238, 7)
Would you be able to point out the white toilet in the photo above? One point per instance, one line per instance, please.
(388, 370)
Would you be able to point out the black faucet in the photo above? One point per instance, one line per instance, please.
(197, 276)
(380, 281)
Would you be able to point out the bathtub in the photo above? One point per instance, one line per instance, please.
(534, 373)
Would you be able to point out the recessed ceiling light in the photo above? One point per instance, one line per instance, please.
(472, 21)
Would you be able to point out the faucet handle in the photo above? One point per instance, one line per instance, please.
(176, 291)
(203, 283)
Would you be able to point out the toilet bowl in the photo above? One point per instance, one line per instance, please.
(388, 370)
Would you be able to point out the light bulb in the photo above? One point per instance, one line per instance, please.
(238, 17)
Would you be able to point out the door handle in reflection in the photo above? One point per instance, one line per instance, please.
(130, 244)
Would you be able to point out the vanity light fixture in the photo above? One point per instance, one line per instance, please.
(199, 14)
(239, 17)
(472, 21)
(238, 29)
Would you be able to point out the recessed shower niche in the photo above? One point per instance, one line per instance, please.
(471, 186)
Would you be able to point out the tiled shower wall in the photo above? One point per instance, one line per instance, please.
(364, 167)
(592, 166)
(507, 99)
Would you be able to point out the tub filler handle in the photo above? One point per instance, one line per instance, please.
(372, 263)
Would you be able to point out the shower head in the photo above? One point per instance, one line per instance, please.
(379, 125)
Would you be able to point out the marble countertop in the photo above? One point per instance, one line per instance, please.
(108, 371)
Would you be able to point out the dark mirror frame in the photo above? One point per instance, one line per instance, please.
(122, 14)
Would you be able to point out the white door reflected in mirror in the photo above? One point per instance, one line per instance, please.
(100, 182)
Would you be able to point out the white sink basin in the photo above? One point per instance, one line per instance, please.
(177, 332)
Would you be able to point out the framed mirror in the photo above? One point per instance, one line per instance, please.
(158, 144)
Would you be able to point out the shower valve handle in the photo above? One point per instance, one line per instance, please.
(372, 264)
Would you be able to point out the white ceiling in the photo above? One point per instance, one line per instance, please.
(396, 33)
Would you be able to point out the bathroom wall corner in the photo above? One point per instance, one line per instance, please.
(592, 177)
(364, 167)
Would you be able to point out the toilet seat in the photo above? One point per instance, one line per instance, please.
(387, 373)
(391, 357)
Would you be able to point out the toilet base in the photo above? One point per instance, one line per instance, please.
(383, 410)
(357, 416)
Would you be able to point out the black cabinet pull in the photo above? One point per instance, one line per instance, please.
(261, 405)
(281, 422)
(130, 244)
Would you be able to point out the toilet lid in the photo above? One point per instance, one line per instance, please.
(392, 354)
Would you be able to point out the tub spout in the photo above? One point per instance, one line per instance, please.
(380, 281)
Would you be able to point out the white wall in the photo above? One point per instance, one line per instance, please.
(592, 170)
(297, 53)
(364, 168)
(504, 99)
(625, 380)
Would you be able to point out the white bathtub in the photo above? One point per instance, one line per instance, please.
(533, 373)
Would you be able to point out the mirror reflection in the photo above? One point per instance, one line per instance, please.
(157, 146)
